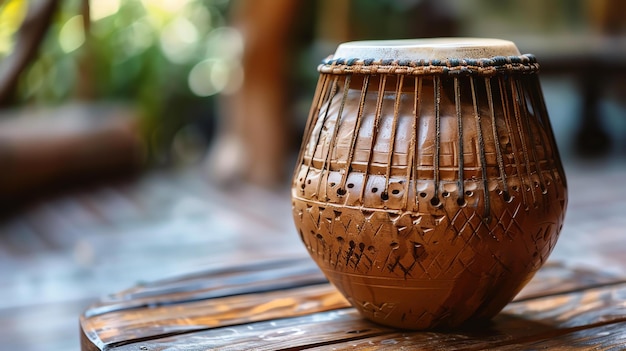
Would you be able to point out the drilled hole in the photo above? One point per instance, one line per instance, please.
(332, 184)
(395, 191)
(308, 181)
(507, 197)
(423, 194)
(384, 196)
(469, 193)
(350, 185)
(445, 194)
(341, 191)
(435, 202)
(374, 190)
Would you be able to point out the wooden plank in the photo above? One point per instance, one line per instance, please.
(177, 306)
(610, 336)
(287, 333)
(537, 320)
(236, 274)
(289, 273)
(115, 327)
(260, 277)
(557, 320)
(607, 337)
(556, 278)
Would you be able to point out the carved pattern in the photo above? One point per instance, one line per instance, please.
(438, 196)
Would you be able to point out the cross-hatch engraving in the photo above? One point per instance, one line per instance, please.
(435, 185)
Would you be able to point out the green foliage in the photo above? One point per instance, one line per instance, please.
(139, 52)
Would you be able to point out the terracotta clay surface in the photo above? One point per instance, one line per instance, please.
(429, 188)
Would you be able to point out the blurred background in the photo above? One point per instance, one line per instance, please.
(135, 134)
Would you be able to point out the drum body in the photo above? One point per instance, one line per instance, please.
(429, 188)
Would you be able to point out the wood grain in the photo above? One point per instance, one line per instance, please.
(203, 311)
(290, 333)
(137, 324)
(604, 337)
(260, 277)
(556, 278)
(535, 321)
(529, 322)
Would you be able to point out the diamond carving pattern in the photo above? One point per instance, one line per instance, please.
(440, 195)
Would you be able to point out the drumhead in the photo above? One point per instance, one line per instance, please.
(427, 49)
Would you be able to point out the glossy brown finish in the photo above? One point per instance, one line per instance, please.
(429, 198)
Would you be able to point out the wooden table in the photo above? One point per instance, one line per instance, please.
(287, 304)
(262, 291)
(59, 256)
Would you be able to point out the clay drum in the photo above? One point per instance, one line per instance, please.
(429, 187)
